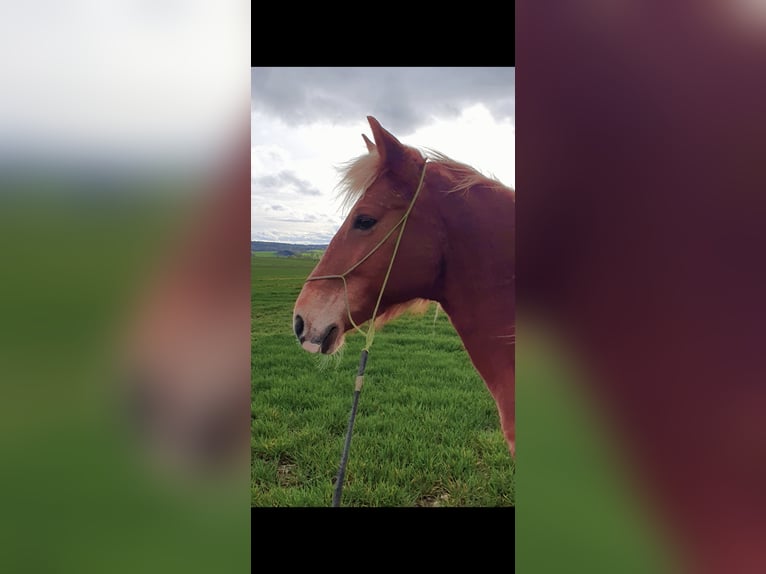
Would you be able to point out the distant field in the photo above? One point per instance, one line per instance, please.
(427, 432)
(310, 254)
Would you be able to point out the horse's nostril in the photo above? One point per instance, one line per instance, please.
(298, 326)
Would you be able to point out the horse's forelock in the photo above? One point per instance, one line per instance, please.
(356, 176)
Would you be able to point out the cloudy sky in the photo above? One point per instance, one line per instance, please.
(305, 122)
(126, 82)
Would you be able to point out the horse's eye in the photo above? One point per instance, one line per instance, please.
(364, 222)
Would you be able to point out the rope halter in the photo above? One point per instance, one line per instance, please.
(370, 334)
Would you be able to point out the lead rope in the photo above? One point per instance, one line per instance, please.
(369, 335)
(338, 490)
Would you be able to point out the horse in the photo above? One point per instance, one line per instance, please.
(458, 249)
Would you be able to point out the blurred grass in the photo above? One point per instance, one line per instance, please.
(78, 498)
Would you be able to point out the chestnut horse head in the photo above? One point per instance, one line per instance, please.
(382, 184)
(457, 249)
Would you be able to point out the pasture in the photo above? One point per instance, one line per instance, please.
(427, 432)
(310, 254)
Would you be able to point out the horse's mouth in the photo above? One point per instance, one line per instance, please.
(329, 339)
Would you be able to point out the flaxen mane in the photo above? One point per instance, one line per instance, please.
(360, 173)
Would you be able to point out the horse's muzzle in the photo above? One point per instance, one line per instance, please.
(324, 341)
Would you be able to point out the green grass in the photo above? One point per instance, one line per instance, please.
(427, 431)
(80, 497)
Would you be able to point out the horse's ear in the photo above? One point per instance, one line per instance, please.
(404, 162)
(370, 146)
(389, 148)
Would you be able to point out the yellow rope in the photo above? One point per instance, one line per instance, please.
(370, 334)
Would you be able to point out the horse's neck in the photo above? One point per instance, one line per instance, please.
(478, 290)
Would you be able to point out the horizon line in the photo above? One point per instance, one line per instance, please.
(300, 242)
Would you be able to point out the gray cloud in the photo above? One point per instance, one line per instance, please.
(282, 181)
(264, 211)
(403, 99)
(298, 218)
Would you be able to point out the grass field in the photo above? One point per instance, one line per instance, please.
(427, 432)
(311, 254)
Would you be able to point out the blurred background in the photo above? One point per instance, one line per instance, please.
(640, 154)
(124, 287)
(640, 144)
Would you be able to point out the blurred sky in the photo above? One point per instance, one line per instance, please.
(120, 86)
(305, 122)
